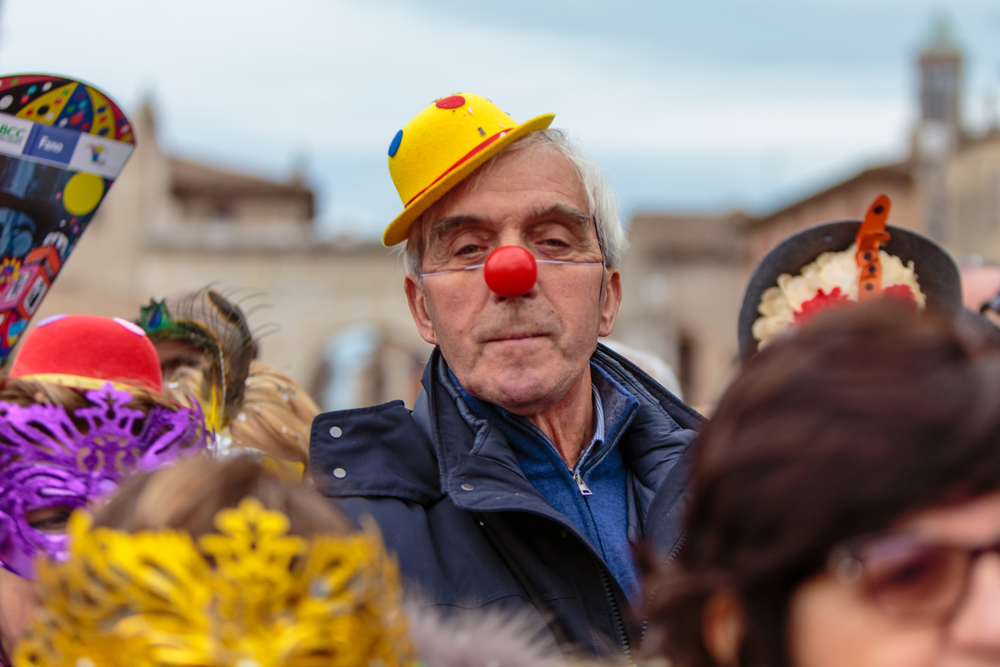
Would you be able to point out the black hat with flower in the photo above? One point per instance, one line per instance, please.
(839, 263)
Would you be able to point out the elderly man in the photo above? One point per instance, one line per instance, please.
(534, 457)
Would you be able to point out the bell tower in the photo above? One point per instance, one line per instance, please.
(941, 78)
(939, 130)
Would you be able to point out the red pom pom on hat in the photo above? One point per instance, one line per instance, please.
(86, 351)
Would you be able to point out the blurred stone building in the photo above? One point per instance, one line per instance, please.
(343, 328)
(680, 280)
(169, 226)
(685, 275)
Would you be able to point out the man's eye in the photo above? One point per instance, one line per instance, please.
(468, 249)
(555, 243)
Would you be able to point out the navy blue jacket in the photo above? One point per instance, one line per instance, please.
(469, 529)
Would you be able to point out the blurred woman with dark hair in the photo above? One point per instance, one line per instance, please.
(846, 504)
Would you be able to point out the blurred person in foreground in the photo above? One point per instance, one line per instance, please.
(533, 456)
(82, 409)
(846, 504)
(222, 564)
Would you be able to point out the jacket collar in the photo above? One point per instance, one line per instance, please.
(373, 451)
(472, 452)
(464, 457)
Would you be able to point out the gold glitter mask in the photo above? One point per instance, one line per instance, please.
(250, 595)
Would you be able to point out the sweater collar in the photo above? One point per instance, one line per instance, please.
(614, 409)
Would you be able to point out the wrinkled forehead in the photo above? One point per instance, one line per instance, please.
(529, 179)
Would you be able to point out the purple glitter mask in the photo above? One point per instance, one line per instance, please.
(46, 461)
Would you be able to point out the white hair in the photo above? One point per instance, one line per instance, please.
(601, 201)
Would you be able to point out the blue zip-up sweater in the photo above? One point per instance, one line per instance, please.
(468, 527)
(593, 493)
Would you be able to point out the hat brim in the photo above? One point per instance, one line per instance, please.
(936, 271)
(399, 228)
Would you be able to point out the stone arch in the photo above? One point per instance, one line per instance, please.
(367, 363)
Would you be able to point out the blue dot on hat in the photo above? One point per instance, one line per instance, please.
(394, 146)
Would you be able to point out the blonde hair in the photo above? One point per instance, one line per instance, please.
(275, 416)
(29, 392)
(188, 496)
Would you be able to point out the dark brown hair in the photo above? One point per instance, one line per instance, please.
(187, 497)
(845, 427)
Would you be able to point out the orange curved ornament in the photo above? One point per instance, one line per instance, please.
(871, 236)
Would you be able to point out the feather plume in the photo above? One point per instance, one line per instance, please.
(207, 352)
(218, 334)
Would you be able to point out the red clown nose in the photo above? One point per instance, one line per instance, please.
(510, 271)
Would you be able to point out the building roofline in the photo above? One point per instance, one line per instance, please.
(227, 180)
(901, 172)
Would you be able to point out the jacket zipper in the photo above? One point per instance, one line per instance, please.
(652, 593)
(584, 489)
(616, 614)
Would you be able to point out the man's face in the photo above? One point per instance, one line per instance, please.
(522, 353)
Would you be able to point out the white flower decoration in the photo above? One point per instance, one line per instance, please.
(829, 281)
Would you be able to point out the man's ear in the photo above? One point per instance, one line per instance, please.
(611, 299)
(723, 626)
(417, 301)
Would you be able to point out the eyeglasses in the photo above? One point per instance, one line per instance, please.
(511, 271)
(908, 576)
(476, 267)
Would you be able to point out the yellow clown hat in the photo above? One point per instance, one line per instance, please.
(442, 145)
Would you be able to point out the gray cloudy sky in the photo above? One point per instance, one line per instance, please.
(687, 105)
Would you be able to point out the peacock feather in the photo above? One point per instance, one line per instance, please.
(218, 333)
(207, 353)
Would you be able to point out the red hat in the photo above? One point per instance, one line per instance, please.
(86, 351)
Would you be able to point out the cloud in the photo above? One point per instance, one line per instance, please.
(650, 87)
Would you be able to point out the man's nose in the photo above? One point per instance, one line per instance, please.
(510, 271)
(975, 630)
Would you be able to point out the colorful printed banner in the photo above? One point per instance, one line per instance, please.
(62, 144)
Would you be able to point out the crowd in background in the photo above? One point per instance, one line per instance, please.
(167, 499)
